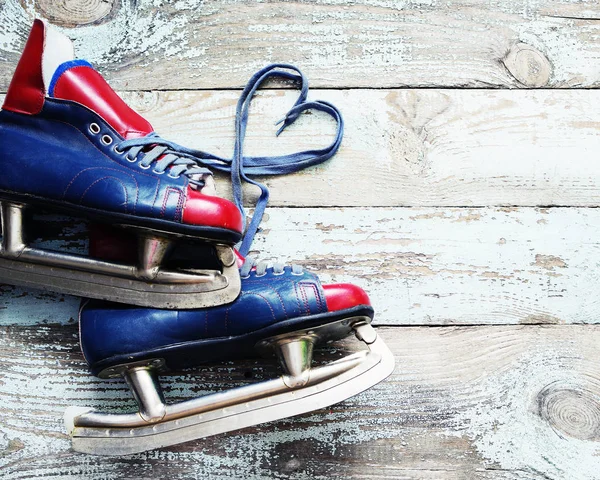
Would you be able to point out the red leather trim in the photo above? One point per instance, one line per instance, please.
(86, 86)
(211, 211)
(26, 91)
(340, 296)
(239, 259)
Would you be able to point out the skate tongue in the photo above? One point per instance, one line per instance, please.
(76, 80)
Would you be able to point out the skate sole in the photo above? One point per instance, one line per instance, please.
(210, 287)
(123, 434)
(191, 354)
(165, 228)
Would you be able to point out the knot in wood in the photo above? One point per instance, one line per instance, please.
(142, 102)
(528, 65)
(72, 13)
(571, 410)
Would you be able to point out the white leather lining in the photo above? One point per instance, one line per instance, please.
(58, 49)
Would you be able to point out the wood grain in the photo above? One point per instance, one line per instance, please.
(430, 266)
(72, 13)
(190, 44)
(518, 403)
(502, 401)
(408, 147)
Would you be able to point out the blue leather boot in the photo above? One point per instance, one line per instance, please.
(274, 300)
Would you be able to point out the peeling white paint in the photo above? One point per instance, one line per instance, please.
(143, 29)
(16, 22)
(419, 147)
(566, 51)
(427, 269)
(510, 433)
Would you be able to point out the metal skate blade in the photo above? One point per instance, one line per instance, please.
(209, 289)
(123, 434)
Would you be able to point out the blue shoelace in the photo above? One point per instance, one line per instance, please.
(182, 160)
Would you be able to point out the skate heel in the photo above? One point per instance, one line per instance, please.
(301, 389)
(145, 283)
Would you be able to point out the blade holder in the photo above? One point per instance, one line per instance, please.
(143, 382)
(147, 282)
(295, 356)
(102, 433)
(152, 251)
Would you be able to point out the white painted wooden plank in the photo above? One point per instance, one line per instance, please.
(422, 266)
(150, 44)
(440, 266)
(463, 403)
(409, 147)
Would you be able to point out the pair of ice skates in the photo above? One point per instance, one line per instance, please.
(71, 144)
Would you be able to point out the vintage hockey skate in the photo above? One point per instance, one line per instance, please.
(284, 310)
(70, 144)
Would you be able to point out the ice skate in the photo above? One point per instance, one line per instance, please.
(281, 310)
(70, 144)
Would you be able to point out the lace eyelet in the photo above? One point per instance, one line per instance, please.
(173, 176)
(94, 128)
(145, 168)
(107, 139)
(297, 274)
(257, 275)
(130, 160)
(158, 173)
(117, 151)
(275, 274)
(245, 277)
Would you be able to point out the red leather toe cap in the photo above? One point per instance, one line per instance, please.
(340, 296)
(211, 211)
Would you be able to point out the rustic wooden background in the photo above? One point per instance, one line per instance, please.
(464, 199)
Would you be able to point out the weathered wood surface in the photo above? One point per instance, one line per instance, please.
(468, 401)
(426, 266)
(191, 44)
(408, 147)
(464, 403)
